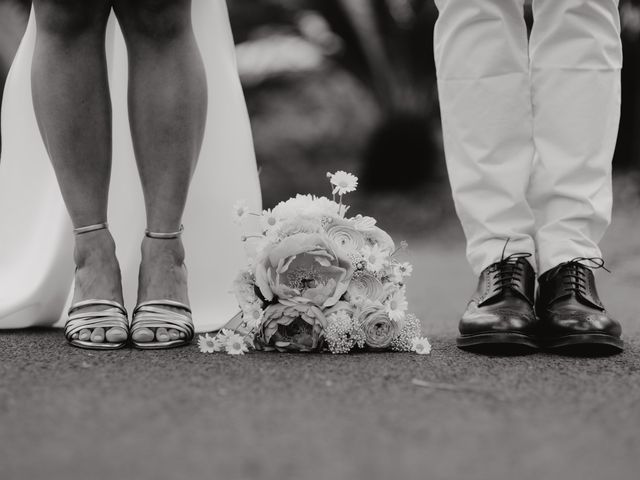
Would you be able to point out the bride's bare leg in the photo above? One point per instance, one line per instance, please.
(71, 100)
(167, 108)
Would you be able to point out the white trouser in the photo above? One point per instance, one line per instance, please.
(530, 126)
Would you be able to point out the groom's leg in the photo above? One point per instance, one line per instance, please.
(482, 62)
(576, 57)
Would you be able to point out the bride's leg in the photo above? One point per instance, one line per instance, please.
(167, 107)
(71, 100)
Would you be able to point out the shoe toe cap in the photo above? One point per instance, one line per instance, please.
(586, 322)
(497, 321)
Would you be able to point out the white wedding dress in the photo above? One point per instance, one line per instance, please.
(36, 264)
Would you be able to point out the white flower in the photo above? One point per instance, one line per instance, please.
(365, 286)
(363, 223)
(343, 182)
(405, 269)
(244, 288)
(397, 305)
(257, 246)
(340, 333)
(308, 206)
(421, 346)
(375, 257)
(236, 345)
(206, 344)
(358, 300)
(390, 289)
(268, 220)
(410, 328)
(393, 274)
(240, 210)
(222, 337)
(252, 314)
(399, 271)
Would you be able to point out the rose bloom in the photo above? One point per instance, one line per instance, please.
(377, 236)
(304, 268)
(292, 328)
(378, 328)
(345, 236)
(365, 287)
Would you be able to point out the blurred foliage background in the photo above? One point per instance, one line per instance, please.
(350, 85)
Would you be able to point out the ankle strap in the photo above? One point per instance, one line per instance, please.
(90, 228)
(164, 235)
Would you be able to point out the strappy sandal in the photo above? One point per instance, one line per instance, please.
(89, 319)
(154, 314)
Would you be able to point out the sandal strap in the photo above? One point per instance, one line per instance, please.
(154, 314)
(164, 235)
(95, 301)
(90, 319)
(90, 228)
(162, 303)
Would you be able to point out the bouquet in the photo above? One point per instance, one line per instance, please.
(319, 280)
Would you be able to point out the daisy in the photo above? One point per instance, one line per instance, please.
(421, 346)
(268, 220)
(397, 305)
(375, 257)
(404, 269)
(222, 337)
(343, 182)
(252, 315)
(235, 345)
(240, 211)
(206, 344)
(392, 274)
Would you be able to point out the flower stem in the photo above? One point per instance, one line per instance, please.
(244, 238)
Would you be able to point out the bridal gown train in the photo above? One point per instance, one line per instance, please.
(36, 242)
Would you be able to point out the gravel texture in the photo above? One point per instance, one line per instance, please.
(72, 414)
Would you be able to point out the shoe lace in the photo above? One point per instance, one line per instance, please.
(510, 271)
(574, 273)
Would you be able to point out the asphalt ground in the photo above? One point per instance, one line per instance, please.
(72, 414)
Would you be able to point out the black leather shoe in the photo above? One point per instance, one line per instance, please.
(572, 317)
(500, 316)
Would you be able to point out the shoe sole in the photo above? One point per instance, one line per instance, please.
(588, 344)
(96, 346)
(498, 343)
(160, 345)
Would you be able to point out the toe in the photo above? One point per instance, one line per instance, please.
(97, 336)
(143, 335)
(162, 335)
(85, 335)
(182, 335)
(116, 335)
(75, 336)
(174, 334)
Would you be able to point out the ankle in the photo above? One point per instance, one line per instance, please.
(171, 250)
(92, 247)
